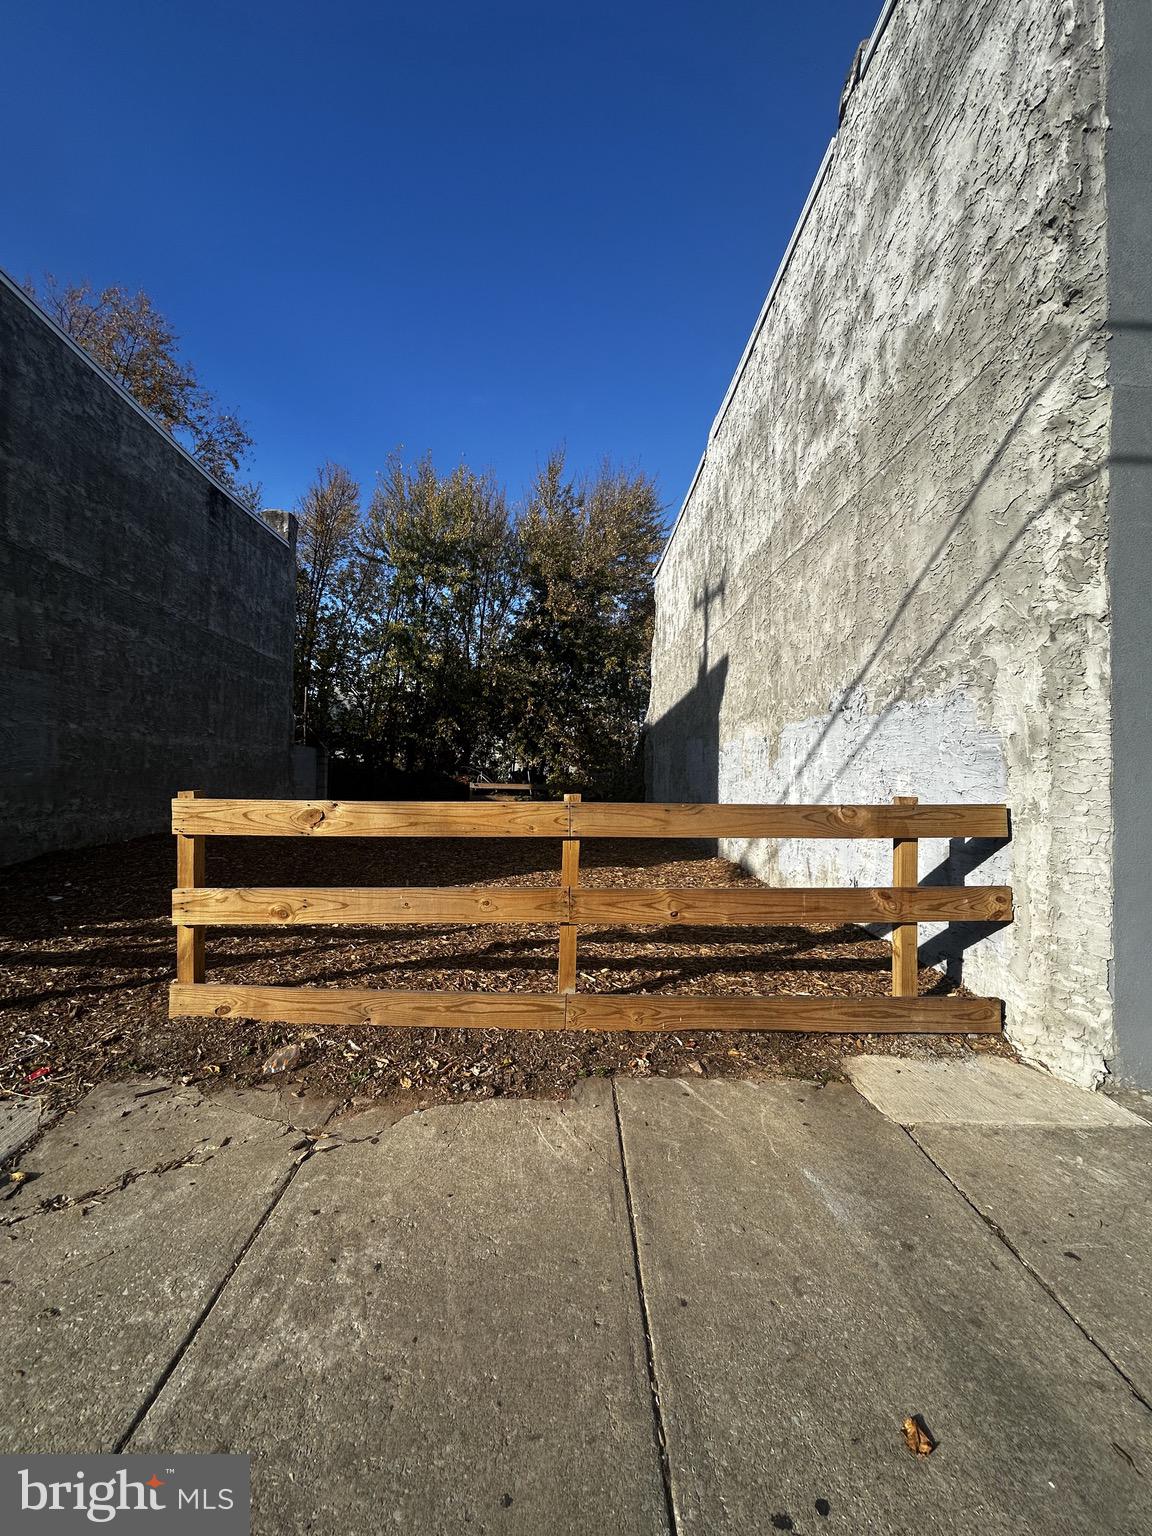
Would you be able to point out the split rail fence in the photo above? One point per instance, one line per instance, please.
(904, 904)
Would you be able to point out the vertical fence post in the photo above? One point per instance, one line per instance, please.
(569, 880)
(905, 872)
(189, 873)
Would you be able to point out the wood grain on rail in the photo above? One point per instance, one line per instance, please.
(444, 905)
(758, 906)
(869, 1015)
(449, 905)
(369, 818)
(466, 818)
(346, 1007)
(882, 821)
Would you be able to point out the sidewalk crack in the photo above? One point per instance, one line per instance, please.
(51, 1203)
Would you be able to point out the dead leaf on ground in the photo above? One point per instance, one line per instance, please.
(283, 1060)
(917, 1436)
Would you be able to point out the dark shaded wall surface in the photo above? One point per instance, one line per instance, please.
(1128, 41)
(145, 617)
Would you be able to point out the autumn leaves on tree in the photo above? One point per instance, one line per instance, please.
(132, 341)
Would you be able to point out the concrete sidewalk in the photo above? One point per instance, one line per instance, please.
(663, 1306)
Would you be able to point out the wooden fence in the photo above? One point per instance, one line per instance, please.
(903, 904)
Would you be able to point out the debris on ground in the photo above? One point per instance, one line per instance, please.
(84, 980)
(284, 1059)
(917, 1437)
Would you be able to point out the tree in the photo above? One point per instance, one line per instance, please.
(440, 633)
(329, 513)
(445, 549)
(580, 651)
(132, 341)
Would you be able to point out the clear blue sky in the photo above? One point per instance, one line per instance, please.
(480, 227)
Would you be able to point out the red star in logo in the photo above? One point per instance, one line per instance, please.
(155, 1482)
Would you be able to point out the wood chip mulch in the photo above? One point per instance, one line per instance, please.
(87, 952)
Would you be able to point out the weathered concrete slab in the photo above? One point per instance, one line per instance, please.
(96, 1298)
(1138, 1100)
(1077, 1207)
(136, 1123)
(811, 1281)
(305, 1111)
(19, 1122)
(978, 1090)
(142, 1122)
(438, 1332)
(363, 1124)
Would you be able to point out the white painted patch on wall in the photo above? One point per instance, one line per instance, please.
(936, 749)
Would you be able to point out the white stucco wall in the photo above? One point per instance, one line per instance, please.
(890, 574)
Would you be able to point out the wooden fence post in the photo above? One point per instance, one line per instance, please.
(905, 936)
(189, 873)
(569, 880)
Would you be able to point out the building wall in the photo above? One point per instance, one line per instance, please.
(1128, 53)
(145, 616)
(889, 576)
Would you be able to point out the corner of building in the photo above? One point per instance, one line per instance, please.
(1128, 154)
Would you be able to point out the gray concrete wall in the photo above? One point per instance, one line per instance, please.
(889, 576)
(145, 616)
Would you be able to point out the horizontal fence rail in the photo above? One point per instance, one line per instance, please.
(751, 821)
(902, 905)
(658, 1013)
(446, 905)
(449, 905)
(370, 818)
(553, 818)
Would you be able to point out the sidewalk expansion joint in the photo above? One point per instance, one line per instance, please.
(653, 1383)
(999, 1233)
(309, 1150)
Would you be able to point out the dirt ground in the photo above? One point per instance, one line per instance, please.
(87, 951)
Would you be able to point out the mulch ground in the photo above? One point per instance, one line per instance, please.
(87, 952)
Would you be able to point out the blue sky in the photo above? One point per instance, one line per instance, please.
(478, 228)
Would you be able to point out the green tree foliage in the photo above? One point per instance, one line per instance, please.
(583, 637)
(132, 341)
(445, 552)
(329, 520)
(441, 633)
